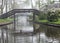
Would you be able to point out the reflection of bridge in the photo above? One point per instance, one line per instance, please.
(13, 12)
(22, 33)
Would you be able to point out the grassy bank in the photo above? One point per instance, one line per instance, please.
(6, 20)
(46, 21)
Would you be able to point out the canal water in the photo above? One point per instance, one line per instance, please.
(47, 34)
(23, 22)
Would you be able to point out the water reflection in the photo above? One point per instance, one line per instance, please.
(22, 22)
(47, 34)
(25, 39)
(50, 34)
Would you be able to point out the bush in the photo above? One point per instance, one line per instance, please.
(52, 17)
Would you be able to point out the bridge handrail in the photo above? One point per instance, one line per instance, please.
(12, 12)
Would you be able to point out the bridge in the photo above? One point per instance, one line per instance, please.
(17, 35)
(13, 12)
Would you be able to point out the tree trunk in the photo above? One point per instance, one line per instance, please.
(31, 4)
(2, 8)
(59, 0)
(39, 4)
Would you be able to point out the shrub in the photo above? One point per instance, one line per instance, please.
(52, 17)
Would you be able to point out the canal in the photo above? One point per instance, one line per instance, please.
(46, 34)
(25, 28)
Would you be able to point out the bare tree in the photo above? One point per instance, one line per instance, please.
(31, 3)
(59, 0)
(39, 4)
(2, 7)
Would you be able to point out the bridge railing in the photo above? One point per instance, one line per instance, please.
(9, 23)
(11, 14)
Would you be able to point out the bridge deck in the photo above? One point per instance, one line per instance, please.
(12, 12)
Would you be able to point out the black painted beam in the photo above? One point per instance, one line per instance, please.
(12, 12)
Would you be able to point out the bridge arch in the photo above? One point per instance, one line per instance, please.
(12, 12)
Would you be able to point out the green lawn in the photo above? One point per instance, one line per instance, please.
(6, 20)
(43, 21)
(46, 21)
(58, 22)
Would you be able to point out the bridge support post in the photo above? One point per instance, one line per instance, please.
(14, 28)
(34, 21)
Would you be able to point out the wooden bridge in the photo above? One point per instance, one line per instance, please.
(13, 12)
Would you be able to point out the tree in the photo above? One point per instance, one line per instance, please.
(31, 3)
(15, 5)
(50, 2)
(39, 4)
(58, 13)
(59, 0)
(2, 7)
(42, 15)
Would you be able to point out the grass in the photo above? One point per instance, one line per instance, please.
(43, 21)
(46, 21)
(6, 20)
(58, 22)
